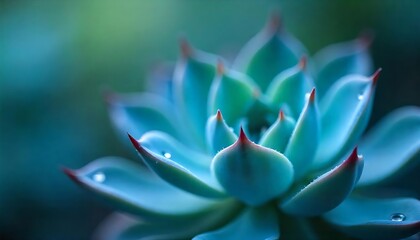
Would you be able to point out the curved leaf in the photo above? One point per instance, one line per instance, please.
(193, 76)
(253, 223)
(123, 227)
(290, 87)
(306, 134)
(278, 135)
(391, 145)
(341, 59)
(177, 165)
(219, 134)
(140, 113)
(345, 111)
(270, 52)
(370, 218)
(131, 188)
(327, 191)
(252, 173)
(232, 93)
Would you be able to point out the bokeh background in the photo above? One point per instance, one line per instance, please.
(56, 57)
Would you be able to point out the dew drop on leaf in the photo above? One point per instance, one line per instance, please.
(99, 177)
(397, 217)
(166, 154)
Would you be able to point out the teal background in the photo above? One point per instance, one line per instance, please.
(56, 57)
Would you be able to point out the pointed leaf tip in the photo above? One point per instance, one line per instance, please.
(242, 136)
(312, 95)
(274, 22)
(366, 38)
(375, 76)
(185, 47)
(302, 62)
(353, 158)
(281, 115)
(220, 67)
(135, 143)
(219, 116)
(71, 174)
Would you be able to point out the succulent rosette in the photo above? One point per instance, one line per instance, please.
(258, 149)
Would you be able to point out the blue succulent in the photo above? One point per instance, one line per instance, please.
(258, 149)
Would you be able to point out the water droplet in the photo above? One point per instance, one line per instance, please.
(397, 217)
(231, 129)
(360, 97)
(307, 95)
(166, 154)
(99, 177)
(360, 156)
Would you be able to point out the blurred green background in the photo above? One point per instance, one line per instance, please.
(57, 56)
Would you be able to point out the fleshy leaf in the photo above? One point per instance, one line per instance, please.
(131, 188)
(140, 113)
(391, 145)
(327, 191)
(252, 173)
(219, 134)
(341, 59)
(305, 136)
(345, 111)
(270, 52)
(119, 226)
(253, 223)
(193, 76)
(290, 87)
(278, 135)
(370, 218)
(232, 93)
(177, 164)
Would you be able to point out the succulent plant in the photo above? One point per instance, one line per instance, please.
(263, 149)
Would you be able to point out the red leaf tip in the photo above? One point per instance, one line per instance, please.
(274, 22)
(366, 38)
(281, 115)
(219, 116)
(185, 47)
(312, 95)
(375, 76)
(71, 174)
(302, 62)
(242, 136)
(353, 158)
(220, 68)
(134, 141)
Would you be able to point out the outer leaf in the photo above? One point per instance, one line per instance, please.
(177, 165)
(219, 134)
(253, 223)
(278, 135)
(327, 191)
(268, 53)
(369, 218)
(123, 227)
(193, 76)
(305, 134)
(290, 87)
(133, 189)
(339, 60)
(391, 145)
(252, 173)
(140, 113)
(345, 112)
(232, 93)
